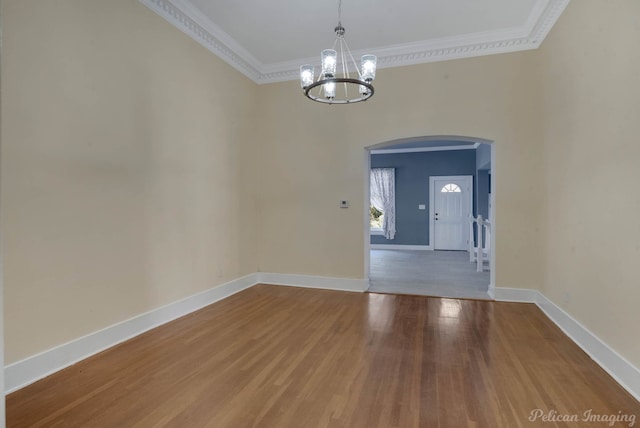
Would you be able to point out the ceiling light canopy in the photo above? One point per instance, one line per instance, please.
(343, 88)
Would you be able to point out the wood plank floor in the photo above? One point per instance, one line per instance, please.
(290, 357)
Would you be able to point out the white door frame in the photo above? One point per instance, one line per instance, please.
(468, 180)
(367, 197)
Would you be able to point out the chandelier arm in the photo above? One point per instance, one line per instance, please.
(345, 69)
(355, 64)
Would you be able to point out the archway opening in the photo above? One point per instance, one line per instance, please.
(430, 220)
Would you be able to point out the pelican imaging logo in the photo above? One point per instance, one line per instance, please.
(539, 415)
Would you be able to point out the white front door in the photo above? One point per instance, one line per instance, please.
(450, 206)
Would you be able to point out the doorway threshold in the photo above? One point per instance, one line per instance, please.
(447, 291)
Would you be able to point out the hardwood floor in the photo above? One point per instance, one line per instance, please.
(290, 357)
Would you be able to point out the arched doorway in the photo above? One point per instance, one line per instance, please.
(422, 257)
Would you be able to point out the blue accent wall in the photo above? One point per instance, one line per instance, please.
(412, 188)
(483, 179)
(483, 156)
(482, 192)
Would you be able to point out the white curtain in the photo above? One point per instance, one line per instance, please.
(383, 198)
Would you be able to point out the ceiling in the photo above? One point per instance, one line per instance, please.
(267, 40)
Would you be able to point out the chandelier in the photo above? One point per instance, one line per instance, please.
(331, 88)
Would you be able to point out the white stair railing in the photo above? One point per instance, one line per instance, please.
(481, 235)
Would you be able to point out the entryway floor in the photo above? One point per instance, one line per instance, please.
(427, 273)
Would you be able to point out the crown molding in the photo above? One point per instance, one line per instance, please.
(188, 19)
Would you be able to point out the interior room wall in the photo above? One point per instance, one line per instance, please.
(483, 188)
(483, 156)
(483, 180)
(313, 155)
(2, 401)
(124, 181)
(412, 188)
(591, 63)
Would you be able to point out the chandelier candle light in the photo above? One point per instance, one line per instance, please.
(331, 89)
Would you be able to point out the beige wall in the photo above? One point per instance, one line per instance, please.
(122, 185)
(591, 70)
(312, 156)
(2, 388)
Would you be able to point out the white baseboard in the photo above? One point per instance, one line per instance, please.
(521, 295)
(625, 373)
(400, 247)
(310, 281)
(36, 367)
